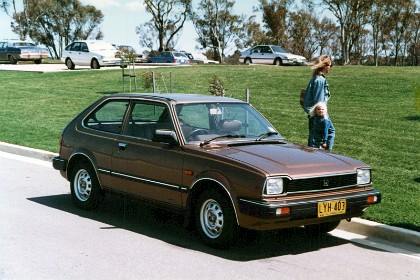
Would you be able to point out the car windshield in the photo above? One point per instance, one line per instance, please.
(223, 121)
(280, 49)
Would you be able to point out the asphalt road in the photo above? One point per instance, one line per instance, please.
(43, 236)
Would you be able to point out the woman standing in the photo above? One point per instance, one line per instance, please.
(318, 91)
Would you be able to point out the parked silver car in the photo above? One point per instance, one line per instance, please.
(93, 53)
(269, 54)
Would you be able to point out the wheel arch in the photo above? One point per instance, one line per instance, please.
(209, 182)
(79, 157)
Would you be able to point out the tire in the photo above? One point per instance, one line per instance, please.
(38, 61)
(95, 64)
(247, 61)
(215, 220)
(322, 228)
(12, 59)
(278, 62)
(85, 189)
(69, 64)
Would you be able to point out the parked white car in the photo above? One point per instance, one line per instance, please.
(269, 54)
(200, 58)
(93, 53)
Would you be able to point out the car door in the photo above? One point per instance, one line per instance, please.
(257, 56)
(267, 56)
(146, 168)
(85, 56)
(99, 133)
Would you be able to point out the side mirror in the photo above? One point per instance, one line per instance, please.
(165, 136)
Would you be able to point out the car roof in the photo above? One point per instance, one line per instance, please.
(177, 97)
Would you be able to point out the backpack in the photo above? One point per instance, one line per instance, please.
(302, 97)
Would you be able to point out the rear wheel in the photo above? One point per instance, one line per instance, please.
(85, 189)
(215, 220)
(69, 64)
(38, 61)
(12, 59)
(95, 64)
(322, 228)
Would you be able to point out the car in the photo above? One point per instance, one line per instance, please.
(270, 54)
(93, 53)
(129, 53)
(199, 58)
(215, 160)
(14, 51)
(169, 57)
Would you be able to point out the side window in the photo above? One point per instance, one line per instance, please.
(108, 117)
(84, 47)
(145, 118)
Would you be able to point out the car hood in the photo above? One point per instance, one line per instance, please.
(289, 159)
(292, 56)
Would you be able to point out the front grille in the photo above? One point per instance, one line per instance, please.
(321, 183)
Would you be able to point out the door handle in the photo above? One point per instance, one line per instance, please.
(122, 146)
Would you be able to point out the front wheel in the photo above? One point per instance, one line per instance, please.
(278, 62)
(95, 64)
(215, 220)
(12, 59)
(85, 189)
(247, 60)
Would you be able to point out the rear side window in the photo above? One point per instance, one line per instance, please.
(108, 117)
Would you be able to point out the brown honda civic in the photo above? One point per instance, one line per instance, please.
(215, 160)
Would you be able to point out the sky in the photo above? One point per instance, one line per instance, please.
(122, 16)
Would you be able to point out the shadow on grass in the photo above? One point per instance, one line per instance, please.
(118, 212)
(413, 118)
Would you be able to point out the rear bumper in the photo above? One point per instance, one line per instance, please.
(262, 214)
(59, 163)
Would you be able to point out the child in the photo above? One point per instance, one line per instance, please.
(323, 132)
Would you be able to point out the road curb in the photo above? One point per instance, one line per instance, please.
(375, 230)
(372, 230)
(27, 152)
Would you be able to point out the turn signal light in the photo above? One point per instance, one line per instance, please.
(282, 211)
(372, 199)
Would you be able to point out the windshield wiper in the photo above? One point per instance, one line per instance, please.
(265, 135)
(221, 136)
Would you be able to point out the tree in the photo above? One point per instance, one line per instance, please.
(275, 13)
(56, 22)
(351, 16)
(217, 26)
(168, 18)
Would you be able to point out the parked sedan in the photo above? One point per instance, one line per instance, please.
(169, 57)
(215, 160)
(93, 53)
(22, 51)
(269, 54)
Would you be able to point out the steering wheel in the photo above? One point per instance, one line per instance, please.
(198, 131)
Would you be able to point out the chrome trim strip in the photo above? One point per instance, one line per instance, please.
(112, 173)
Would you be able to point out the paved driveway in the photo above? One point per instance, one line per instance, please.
(44, 68)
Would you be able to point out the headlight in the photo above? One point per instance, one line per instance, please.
(274, 186)
(363, 176)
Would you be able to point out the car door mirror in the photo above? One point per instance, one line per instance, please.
(165, 136)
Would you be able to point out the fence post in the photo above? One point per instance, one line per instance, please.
(247, 95)
(170, 82)
(153, 82)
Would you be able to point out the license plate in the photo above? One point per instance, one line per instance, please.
(332, 207)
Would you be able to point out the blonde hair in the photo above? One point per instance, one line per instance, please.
(320, 63)
(312, 110)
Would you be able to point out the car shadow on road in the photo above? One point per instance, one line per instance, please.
(119, 212)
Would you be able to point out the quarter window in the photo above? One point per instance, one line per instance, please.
(108, 117)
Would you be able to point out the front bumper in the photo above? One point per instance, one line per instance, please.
(262, 214)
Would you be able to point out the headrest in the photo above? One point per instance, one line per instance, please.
(230, 125)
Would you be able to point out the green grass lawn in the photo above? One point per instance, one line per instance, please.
(373, 109)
